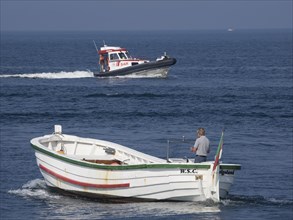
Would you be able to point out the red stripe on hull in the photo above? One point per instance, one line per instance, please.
(75, 182)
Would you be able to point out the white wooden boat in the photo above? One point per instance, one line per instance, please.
(116, 61)
(103, 169)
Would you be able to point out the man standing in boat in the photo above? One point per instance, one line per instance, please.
(201, 146)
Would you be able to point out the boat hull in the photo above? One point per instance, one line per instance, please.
(225, 185)
(144, 178)
(151, 183)
(160, 67)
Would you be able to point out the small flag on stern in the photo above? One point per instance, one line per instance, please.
(219, 152)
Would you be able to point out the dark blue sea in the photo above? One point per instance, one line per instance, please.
(240, 81)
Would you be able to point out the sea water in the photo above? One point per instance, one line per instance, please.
(239, 81)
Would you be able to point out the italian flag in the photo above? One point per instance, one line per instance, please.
(219, 152)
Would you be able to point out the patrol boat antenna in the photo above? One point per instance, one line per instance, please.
(95, 45)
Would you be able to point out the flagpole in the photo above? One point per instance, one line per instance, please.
(219, 151)
(215, 188)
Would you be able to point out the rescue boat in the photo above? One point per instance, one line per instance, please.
(116, 61)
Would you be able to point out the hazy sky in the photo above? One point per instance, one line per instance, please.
(144, 15)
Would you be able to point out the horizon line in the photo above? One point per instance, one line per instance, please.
(144, 30)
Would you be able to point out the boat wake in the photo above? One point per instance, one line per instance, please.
(134, 76)
(82, 208)
(35, 189)
(58, 75)
(255, 200)
(78, 74)
(157, 73)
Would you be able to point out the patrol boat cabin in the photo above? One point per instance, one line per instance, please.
(113, 58)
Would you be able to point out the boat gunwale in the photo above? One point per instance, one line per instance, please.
(166, 165)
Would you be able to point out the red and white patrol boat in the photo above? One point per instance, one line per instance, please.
(116, 61)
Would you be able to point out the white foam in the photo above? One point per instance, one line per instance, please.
(34, 189)
(159, 73)
(134, 76)
(35, 184)
(58, 75)
(225, 202)
(280, 201)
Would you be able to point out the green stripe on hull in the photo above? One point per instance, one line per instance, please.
(230, 167)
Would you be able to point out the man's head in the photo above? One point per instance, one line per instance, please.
(201, 132)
